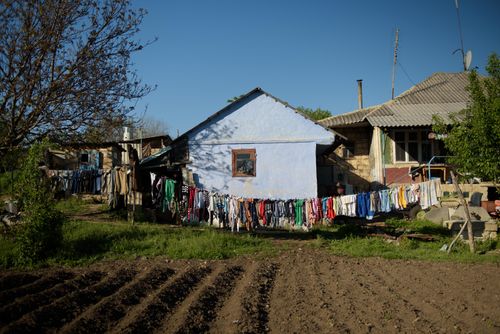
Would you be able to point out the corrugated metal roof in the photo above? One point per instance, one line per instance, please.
(155, 156)
(438, 88)
(440, 94)
(395, 115)
(352, 117)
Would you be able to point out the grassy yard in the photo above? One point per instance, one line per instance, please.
(350, 241)
(87, 242)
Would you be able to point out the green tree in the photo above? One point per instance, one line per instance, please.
(316, 115)
(473, 138)
(234, 98)
(41, 231)
(66, 69)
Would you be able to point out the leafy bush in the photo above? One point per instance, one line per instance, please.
(5, 182)
(41, 232)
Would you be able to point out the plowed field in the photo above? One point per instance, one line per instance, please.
(300, 291)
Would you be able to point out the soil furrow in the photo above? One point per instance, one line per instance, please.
(203, 312)
(295, 300)
(358, 310)
(62, 311)
(166, 301)
(39, 285)
(231, 312)
(336, 315)
(396, 313)
(29, 303)
(256, 302)
(303, 290)
(461, 279)
(439, 301)
(16, 280)
(176, 319)
(404, 316)
(423, 298)
(107, 313)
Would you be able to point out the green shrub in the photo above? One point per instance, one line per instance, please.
(41, 231)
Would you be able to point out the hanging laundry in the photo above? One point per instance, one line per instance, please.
(298, 211)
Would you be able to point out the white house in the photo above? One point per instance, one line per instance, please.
(256, 147)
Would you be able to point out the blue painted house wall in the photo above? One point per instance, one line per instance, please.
(285, 143)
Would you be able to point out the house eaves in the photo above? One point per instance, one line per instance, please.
(350, 118)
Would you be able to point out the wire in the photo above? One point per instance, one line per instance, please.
(406, 73)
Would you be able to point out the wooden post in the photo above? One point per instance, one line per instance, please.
(468, 221)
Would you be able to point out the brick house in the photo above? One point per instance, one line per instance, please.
(392, 142)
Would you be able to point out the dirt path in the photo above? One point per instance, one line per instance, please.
(300, 291)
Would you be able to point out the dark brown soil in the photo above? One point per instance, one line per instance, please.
(300, 291)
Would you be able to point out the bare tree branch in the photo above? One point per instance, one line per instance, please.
(65, 68)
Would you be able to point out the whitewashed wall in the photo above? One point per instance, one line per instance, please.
(285, 144)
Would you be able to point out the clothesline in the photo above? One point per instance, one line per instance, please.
(225, 210)
(107, 182)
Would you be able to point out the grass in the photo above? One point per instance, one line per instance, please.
(410, 249)
(348, 240)
(78, 205)
(86, 242)
(71, 205)
(418, 226)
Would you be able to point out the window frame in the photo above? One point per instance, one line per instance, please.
(253, 157)
(348, 151)
(420, 141)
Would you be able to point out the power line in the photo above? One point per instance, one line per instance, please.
(406, 73)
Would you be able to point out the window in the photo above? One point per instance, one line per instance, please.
(400, 143)
(348, 150)
(426, 146)
(84, 157)
(412, 145)
(244, 162)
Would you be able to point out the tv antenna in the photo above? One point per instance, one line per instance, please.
(466, 57)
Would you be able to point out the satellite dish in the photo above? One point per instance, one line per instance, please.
(468, 59)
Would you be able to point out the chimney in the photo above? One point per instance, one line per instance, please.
(360, 93)
(127, 133)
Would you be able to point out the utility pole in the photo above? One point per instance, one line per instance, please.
(395, 62)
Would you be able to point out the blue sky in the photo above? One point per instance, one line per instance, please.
(308, 53)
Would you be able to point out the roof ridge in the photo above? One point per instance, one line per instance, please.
(352, 112)
(418, 87)
(244, 96)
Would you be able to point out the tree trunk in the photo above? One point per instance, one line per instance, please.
(468, 221)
